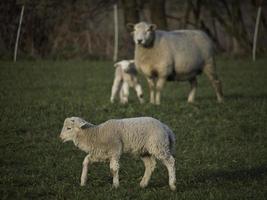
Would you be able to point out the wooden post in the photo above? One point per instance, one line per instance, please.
(18, 34)
(116, 33)
(256, 34)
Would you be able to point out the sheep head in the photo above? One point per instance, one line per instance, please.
(71, 127)
(126, 65)
(143, 33)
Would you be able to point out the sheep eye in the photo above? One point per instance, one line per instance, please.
(68, 128)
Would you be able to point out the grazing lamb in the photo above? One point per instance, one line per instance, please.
(125, 77)
(143, 136)
(175, 55)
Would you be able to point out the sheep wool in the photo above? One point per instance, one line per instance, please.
(175, 55)
(143, 136)
(125, 78)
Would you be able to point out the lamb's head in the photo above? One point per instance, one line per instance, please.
(126, 65)
(71, 127)
(143, 33)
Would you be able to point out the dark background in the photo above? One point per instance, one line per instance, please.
(85, 28)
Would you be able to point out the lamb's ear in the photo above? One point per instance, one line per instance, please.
(152, 27)
(84, 124)
(116, 65)
(130, 26)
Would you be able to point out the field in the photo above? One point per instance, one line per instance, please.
(221, 148)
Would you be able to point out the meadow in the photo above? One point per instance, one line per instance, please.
(221, 149)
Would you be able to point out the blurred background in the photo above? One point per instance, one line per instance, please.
(73, 29)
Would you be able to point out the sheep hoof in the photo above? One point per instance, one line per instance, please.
(173, 187)
(143, 184)
(115, 185)
(83, 184)
(190, 101)
(220, 100)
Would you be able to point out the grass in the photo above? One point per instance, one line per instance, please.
(221, 148)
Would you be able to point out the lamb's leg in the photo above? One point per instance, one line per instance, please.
(170, 164)
(151, 85)
(139, 92)
(192, 93)
(124, 93)
(114, 168)
(150, 164)
(209, 70)
(115, 88)
(159, 86)
(84, 171)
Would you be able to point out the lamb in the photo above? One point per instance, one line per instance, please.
(125, 77)
(143, 136)
(175, 55)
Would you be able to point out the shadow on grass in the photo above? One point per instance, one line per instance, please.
(247, 97)
(221, 177)
(230, 97)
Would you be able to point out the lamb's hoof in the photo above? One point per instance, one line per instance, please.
(173, 187)
(191, 101)
(115, 186)
(220, 101)
(82, 184)
(143, 184)
(123, 102)
(142, 101)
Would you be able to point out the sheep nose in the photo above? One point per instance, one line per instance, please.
(139, 41)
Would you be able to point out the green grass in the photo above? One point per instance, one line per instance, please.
(221, 148)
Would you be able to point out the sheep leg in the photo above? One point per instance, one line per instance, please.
(124, 93)
(192, 93)
(151, 85)
(150, 164)
(209, 70)
(115, 88)
(170, 164)
(84, 171)
(159, 86)
(114, 168)
(139, 92)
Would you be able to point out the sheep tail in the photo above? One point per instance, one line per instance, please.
(171, 138)
(172, 143)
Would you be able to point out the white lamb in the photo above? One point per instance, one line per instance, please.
(143, 136)
(125, 77)
(174, 55)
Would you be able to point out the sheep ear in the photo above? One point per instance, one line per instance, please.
(83, 125)
(130, 26)
(116, 65)
(152, 27)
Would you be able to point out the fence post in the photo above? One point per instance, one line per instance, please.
(18, 34)
(256, 34)
(116, 33)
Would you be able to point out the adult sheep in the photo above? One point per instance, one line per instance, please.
(175, 55)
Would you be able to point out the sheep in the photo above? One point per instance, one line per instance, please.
(143, 136)
(176, 55)
(125, 77)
